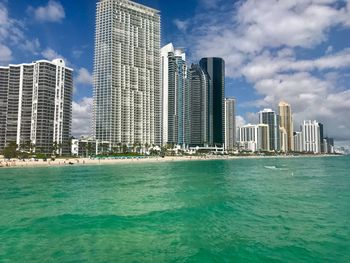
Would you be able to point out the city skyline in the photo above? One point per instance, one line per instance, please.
(309, 72)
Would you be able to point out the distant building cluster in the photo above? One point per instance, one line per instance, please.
(275, 133)
(145, 97)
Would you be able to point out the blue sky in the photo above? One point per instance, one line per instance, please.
(296, 50)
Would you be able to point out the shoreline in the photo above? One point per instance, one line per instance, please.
(97, 162)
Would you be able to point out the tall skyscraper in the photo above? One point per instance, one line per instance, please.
(215, 69)
(127, 92)
(269, 117)
(175, 90)
(311, 136)
(230, 123)
(286, 121)
(199, 107)
(36, 106)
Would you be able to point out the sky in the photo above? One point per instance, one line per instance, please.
(295, 50)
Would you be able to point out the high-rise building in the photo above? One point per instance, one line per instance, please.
(284, 140)
(199, 107)
(175, 90)
(286, 121)
(328, 144)
(215, 69)
(127, 86)
(254, 137)
(230, 123)
(298, 142)
(311, 136)
(269, 117)
(36, 106)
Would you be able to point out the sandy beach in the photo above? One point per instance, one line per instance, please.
(15, 163)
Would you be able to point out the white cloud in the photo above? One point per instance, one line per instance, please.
(240, 121)
(260, 41)
(82, 116)
(267, 65)
(52, 12)
(182, 25)
(32, 46)
(5, 54)
(50, 54)
(84, 77)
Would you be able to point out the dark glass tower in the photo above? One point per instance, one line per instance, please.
(215, 69)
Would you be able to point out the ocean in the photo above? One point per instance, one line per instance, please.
(244, 210)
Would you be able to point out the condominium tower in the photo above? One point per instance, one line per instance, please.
(175, 96)
(215, 69)
(199, 106)
(254, 137)
(311, 136)
(36, 106)
(127, 92)
(269, 117)
(230, 123)
(286, 122)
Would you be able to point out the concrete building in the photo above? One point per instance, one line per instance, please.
(269, 117)
(215, 69)
(254, 138)
(298, 142)
(230, 123)
(328, 144)
(36, 106)
(286, 121)
(311, 136)
(284, 140)
(127, 86)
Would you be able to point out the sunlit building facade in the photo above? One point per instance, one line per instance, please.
(36, 106)
(127, 92)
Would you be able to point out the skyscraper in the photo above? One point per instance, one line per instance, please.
(311, 136)
(175, 91)
(215, 69)
(127, 92)
(230, 123)
(36, 106)
(199, 107)
(286, 122)
(269, 117)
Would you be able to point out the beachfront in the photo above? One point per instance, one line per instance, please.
(28, 163)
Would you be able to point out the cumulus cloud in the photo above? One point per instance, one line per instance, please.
(182, 25)
(13, 37)
(240, 121)
(5, 54)
(260, 41)
(52, 12)
(50, 54)
(82, 116)
(84, 77)
(32, 46)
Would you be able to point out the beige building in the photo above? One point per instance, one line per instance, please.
(286, 122)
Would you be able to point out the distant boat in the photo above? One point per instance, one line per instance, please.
(276, 168)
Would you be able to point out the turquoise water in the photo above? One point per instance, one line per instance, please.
(209, 211)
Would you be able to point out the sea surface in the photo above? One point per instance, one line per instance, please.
(247, 210)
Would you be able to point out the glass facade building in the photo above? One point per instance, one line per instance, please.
(269, 117)
(215, 69)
